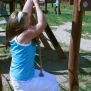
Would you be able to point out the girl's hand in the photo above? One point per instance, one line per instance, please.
(36, 2)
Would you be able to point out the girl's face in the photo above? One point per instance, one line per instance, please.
(27, 22)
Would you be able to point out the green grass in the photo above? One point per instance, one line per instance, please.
(86, 29)
(1, 18)
(66, 16)
(3, 51)
(85, 71)
(3, 26)
(55, 20)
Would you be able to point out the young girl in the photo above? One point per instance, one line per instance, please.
(20, 32)
(19, 35)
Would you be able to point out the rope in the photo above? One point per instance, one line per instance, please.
(40, 61)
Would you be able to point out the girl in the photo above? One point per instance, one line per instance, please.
(19, 35)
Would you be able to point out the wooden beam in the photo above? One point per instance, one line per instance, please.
(54, 42)
(12, 6)
(58, 11)
(21, 2)
(74, 48)
(44, 41)
(71, 2)
(46, 6)
(0, 83)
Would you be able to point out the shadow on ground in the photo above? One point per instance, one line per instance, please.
(53, 64)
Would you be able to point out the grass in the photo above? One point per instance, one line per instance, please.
(66, 16)
(55, 20)
(3, 26)
(1, 18)
(85, 71)
(3, 51)
(86, 29)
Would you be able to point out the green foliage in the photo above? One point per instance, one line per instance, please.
(3, 26)
(3, 51)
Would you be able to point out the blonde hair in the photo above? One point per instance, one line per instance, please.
(14, 26)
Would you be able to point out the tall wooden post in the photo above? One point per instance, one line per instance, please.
(21, 2)
(12, 6)
(46, 6)
(74, 48)
(0, 83)
(58, 11)
(71, 2)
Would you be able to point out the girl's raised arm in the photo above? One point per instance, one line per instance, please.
(40, 26)
(28, 7)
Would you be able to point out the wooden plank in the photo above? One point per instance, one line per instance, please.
(71, 2)
(74, 48)
(44, 41)
(0, 83)
(21, 2)
(2, 31)
(54, 42)
(6, 1)
(1, 46)
(11, 4)
(59, 11)
(46, 7)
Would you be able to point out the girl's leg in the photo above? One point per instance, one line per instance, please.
(17, 85)
(20, 85)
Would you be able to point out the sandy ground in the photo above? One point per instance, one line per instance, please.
(64, 37)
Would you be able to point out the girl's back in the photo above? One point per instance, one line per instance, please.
(22, 60)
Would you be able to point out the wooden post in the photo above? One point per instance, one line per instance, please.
(74, 48)
(52, 4)
(21, 2)
(58, 11)
(71, 2)
(44, 41)
(54, 42)
(46, 6)
(0, 83)
(12, 6)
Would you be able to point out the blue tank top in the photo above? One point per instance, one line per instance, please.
(22, 64)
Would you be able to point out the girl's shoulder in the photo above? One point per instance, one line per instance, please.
(14, 40)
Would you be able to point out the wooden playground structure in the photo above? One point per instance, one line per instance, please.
(80, 6)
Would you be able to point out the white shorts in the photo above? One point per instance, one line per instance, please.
(46, 83)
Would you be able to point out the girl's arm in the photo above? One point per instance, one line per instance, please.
(28, 7)
(35, 30)
(40, 26)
